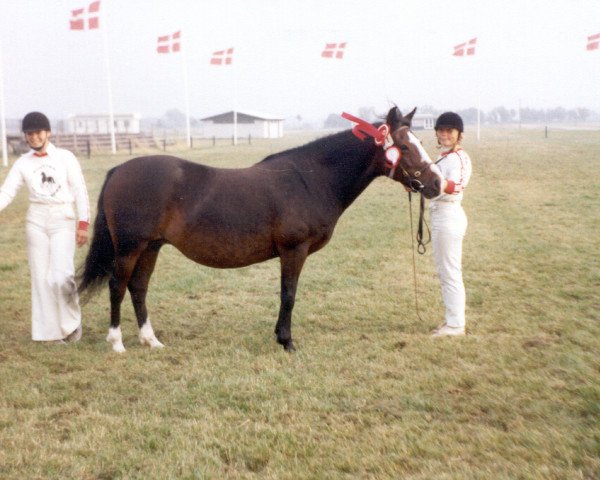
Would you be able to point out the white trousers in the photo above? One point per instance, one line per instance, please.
(55, 311)
(448, 228)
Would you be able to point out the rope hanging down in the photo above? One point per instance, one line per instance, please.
(420, 244)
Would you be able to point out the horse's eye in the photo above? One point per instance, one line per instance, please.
(404, 148)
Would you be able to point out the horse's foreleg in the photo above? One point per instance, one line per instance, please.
(292, 261)
(124, 265)
(138, 288)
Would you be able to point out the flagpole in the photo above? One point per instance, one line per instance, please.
(2, 117)
(478, 80)
(478, 110)
(235, 94)
(186, 92)
(111, 115)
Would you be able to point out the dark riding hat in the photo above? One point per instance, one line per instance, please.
(35, 121)
(450, 120)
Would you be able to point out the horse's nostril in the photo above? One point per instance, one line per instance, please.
(416, 185)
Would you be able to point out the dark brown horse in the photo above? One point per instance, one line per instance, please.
(285, 206)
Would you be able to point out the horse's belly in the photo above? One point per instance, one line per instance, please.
(227, 252)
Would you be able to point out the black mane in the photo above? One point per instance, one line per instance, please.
(332, 148)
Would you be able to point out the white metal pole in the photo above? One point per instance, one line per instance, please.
(478, 112)
(234, 71)
(235, 106)
(476, 62)
(186, 88)
(3, 117)
(111, 115)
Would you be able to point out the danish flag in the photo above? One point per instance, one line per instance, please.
(222, 57)
(467, 48)
(334, 50)
(80, 15)
(593, 42)
(169, 43)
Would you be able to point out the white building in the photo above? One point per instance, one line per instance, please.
(99, 124)
(423, 121)
(248, 124)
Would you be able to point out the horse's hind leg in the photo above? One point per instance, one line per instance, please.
(138, 288)
(124, 265)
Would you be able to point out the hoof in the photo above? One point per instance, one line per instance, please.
(287, 344)
(151, 342)
(147, 336)
(115, 338)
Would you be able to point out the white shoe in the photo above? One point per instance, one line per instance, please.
(446, 330)
(75, 335)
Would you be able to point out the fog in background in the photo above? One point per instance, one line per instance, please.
(530, 54)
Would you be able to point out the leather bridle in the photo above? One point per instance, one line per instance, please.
(393, 154)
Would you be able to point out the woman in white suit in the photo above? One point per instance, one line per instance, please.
(55, 181)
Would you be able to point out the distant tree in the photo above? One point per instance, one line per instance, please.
(558, 114)
(173, 119)
(369, 114)
(334, 120)
(531, 115)
(583, 114)
(499, 115)
(470, 115)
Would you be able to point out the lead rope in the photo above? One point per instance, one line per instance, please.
(420, 243)
(420, 247)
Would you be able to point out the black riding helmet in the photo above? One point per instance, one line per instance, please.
(35, 121)
(450, 120)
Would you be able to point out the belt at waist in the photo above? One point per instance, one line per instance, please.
(38, 204)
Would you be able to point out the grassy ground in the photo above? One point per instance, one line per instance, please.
(368, 394)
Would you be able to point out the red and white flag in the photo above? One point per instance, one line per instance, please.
(83, 18)
(334, 50)
(222, 57)
(467, 48)
(169, 43)
(593, 42)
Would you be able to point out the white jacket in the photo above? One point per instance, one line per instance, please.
(456, 169)
(53, 179)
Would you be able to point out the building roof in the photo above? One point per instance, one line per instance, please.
(242, 117)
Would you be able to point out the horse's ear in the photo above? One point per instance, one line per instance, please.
(408, 118)
(394, 117)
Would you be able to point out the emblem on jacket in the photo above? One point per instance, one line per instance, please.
(44, 181)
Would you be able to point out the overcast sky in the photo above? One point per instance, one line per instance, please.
(529, 52)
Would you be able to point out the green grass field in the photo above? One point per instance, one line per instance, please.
(369, 394)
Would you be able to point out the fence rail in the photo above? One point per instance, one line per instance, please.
(88, 144)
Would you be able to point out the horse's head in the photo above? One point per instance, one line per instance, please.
(406, 160)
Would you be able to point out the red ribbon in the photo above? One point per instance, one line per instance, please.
(364, 128)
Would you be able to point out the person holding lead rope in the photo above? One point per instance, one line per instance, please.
(449, 222)
(54, 179)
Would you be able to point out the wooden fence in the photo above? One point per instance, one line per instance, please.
(89, 144)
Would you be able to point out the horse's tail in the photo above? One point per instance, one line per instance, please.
(99, 263)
